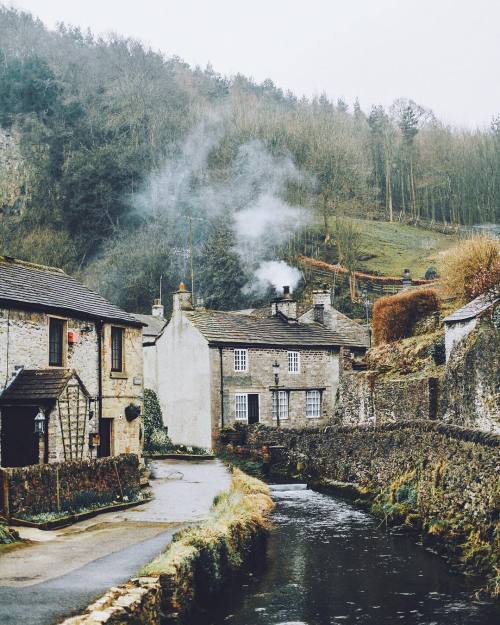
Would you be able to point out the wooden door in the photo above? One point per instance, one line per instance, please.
(253, 408)
(19, 441)
(105, 434)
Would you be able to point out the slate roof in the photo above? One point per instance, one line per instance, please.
(350, 329)
(232, 328)
(153, 325)
(33, 386)
(47, 288)
(474, 308)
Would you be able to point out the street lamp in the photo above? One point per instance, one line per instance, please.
(40, 422)
(276, 371)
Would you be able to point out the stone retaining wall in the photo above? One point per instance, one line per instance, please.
(68, 485)
(439, 478)
(365, 399)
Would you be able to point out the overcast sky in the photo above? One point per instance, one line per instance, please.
(444, 54)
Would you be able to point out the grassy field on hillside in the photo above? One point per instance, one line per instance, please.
(395, 247)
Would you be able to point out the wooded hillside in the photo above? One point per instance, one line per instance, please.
(106, 147)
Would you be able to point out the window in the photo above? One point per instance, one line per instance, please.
(116, 349)
(241, 407)
(280, 404)
(293, 362)
(313, 404)
(240, 359)
(56, 342)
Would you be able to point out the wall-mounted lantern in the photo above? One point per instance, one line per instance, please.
(40, 422)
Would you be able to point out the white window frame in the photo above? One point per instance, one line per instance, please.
(294, 362)
(241, 360)
(241, 407)
(313, 404)
(283, 405)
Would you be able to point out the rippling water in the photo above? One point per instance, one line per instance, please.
(329, 563)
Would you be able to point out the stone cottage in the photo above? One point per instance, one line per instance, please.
(219, 368)
(71, 368)
(461, 323)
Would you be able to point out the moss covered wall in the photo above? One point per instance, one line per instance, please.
(471, 389)
(437, 477)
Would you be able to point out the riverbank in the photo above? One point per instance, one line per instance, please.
(438, 479)
(195, 567)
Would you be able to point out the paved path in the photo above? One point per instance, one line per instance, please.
(62, 571)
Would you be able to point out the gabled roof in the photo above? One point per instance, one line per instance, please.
(232, 328)
(34, 386)
(31, 286)
(474, 308)
(351, 330)
(153, 325)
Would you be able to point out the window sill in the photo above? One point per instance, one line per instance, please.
(118, 375)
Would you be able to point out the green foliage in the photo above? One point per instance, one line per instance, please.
(7, 535)
(438, 351)
(156, 439)
(96, 118)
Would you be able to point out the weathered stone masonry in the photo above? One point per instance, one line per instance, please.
(452, 471)
(63, 486)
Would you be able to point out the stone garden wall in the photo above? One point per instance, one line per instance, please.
(68, 486)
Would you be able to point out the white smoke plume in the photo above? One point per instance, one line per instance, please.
(252, 191)
(274, 273)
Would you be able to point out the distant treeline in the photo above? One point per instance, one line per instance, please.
(95, 117)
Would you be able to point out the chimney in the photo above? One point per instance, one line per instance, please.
(285, 305)
(158, 310)
(322, 296)
(319, 313)
(182, 298)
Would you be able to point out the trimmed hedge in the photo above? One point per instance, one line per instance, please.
(395, 316)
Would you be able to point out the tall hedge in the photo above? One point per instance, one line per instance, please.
(394, 316)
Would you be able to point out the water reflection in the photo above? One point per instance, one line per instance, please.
(328, 563)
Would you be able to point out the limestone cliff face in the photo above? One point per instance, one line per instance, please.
(13, 175)
(471, 389)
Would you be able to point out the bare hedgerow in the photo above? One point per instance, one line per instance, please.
(471, 268)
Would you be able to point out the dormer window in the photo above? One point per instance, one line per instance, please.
(56, 342)
(240, 359)
(116, 349)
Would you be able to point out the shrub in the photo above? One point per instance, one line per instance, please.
(471, 268)
(438, 351)
(156, 439)
(394, 316)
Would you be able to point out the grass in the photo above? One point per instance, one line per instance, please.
(410, 356)
(196, 565)
(394, 247)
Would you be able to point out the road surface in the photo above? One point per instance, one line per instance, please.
(60, 572)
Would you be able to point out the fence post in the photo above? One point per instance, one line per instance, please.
(5, 493)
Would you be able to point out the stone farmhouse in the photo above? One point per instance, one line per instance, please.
(214, 368)
(71, 369)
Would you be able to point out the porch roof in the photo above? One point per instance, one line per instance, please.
(37, 386)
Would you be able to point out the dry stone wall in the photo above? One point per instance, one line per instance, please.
(364, 399)
(438, 477)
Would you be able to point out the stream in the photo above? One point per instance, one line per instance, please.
(329, 562)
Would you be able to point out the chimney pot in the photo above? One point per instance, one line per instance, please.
(182, 299)
(158, 310)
